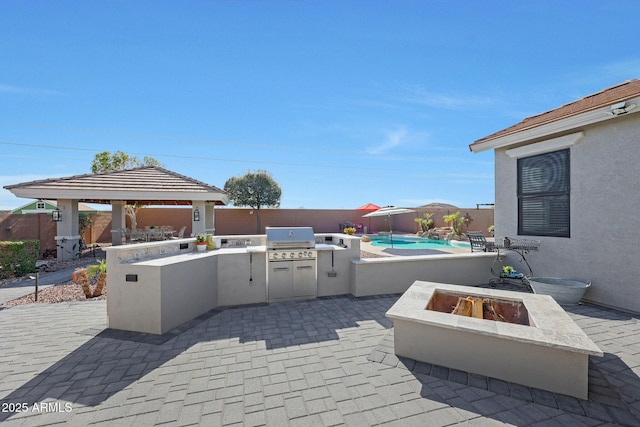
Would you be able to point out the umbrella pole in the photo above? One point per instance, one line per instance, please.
(391, 231)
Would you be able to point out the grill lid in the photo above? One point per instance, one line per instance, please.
(290, 237)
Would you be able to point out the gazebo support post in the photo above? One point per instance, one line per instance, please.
(200, 225)
(67, 234)
(118, 221)
(210, 219)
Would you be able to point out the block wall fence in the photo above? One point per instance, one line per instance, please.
(232, 221)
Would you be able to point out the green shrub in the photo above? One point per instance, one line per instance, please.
(18, 258)
(425, 223)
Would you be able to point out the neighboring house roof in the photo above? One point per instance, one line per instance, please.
(147, 185)
(49, 205)
(590, 109)
(437, 205)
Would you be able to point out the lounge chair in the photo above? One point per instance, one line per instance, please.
(180, 233)
(138, 236)
(124, 232)
(155, 234)
(479, 242)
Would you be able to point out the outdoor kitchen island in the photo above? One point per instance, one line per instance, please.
(154, 287)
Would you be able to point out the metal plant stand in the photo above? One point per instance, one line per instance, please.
(520, 247)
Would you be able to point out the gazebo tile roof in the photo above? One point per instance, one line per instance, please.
(144, 185)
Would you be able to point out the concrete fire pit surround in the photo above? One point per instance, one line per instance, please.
(551, 354)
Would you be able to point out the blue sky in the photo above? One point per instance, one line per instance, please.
(343, 102)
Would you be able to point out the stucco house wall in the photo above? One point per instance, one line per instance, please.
(604, 202)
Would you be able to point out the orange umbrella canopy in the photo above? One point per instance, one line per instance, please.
(368, 207)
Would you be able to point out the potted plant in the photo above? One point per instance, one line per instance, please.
(349, 230)
(510, 273)
(201, 242)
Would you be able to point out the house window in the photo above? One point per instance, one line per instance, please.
(40, 205)
(543, 194)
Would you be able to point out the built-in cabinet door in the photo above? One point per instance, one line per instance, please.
(280, 281)
(304, 279)
(242, 279)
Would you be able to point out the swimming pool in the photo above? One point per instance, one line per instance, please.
(408, 242)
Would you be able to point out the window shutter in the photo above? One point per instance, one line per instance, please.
(543, 195)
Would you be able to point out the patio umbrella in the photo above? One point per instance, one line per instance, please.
(368, 207)
(388, 211)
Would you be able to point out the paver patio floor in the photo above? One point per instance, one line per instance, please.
(323, 362)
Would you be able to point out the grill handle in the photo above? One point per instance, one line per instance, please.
(294, 244)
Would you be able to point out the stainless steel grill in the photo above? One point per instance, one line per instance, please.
(291, 266)
(290, 238)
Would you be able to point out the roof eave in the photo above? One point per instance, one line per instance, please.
(36, 193)
(552, 128)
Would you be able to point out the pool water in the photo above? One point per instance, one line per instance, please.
(407, 242)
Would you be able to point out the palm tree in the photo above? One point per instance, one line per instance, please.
(99, 270)
(80, 276)
(83, 275)
(456, 222)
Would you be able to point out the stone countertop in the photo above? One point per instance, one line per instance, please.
(327, 247)
(186, 256)
(386, 258)
(318, 247)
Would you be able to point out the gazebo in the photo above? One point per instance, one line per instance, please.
(147, 185)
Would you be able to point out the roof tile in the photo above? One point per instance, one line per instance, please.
(148, 179)
(618, 93)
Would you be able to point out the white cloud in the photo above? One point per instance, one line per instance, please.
(419, 95)
(622, 70)
(7, 200)
(399, 137)
(17, 179)
(392, 139)
(594, 78)
(18, 90)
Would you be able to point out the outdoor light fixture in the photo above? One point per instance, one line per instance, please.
(56, 215)
(620, 108)
(196, 214)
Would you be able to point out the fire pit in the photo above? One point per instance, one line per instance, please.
(541, 347)
(500, 310)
